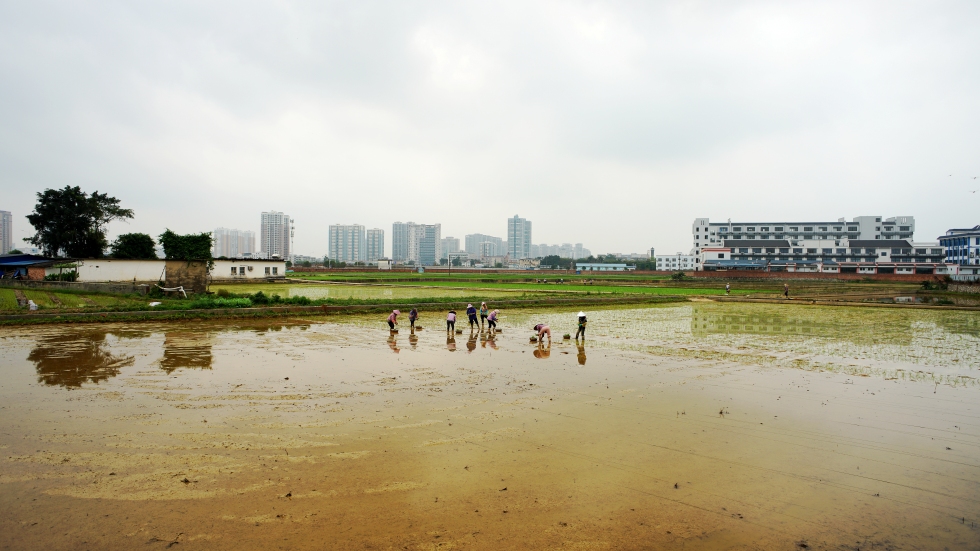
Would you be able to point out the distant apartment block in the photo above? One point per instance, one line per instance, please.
(518, 238)
(475, 245)
(231, 243)
(6, 232)
(276, 235)
(374, 244)
(420, 244)
(449, 245)
(348, 243)
(676, 262)
(565, 250)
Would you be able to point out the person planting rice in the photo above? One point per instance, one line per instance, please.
(581, 325)
(393, 319)
(492, 320)
(412, 316)
(483, 314)
(471, 314)
(451, 321)
(543, 329)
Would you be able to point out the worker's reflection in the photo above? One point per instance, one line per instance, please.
(471, 342)
(393, 343)
(451, 343)
(413, 340)
(581, 353)
(543, 351)
(492, 341)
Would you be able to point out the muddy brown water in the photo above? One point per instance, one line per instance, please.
(706, 426)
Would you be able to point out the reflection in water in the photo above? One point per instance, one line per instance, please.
(492, 341)
(543, 351)
(413, 340)
(188, 349)
(471, 342)
(838, 323)
(70, 360)
(451, 343)
(581, 354)
(393, 343)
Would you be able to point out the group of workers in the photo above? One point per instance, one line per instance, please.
(486, 317)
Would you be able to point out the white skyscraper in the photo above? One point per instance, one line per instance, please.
(399, 240)
(6, 232)
(347, 243)
(276, 235)
(375, 248)
(233, 243)
(518, 238)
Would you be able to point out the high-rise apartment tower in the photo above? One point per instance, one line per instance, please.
(6, 232)
(347, 243)
(518, 238)
(276, 235)
(375, 249)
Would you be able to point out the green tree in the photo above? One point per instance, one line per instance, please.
(193, 246)
(557, 262)
(139, 246)
(73, 222)
(15, 251)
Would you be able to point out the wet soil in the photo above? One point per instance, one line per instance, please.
(709, 426)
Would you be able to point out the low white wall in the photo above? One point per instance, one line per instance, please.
(253, 269)
(102, 269)
(153, 270)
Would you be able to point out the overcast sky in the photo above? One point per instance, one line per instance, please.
(613, 124)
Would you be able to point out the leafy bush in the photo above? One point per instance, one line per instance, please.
(678, 276)
(63, 276)
(223, 293)
(211, 302)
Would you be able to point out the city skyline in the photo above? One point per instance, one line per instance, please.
(607, 124)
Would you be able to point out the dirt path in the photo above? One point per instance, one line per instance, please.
(21, 298)
(55, 300)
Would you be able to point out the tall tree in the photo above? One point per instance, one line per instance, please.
(139, 246)
(193, 246)
(73, 222)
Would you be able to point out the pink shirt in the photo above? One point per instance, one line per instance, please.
(450, 317)
(392, 317)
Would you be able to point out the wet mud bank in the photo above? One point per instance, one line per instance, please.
(682, 426)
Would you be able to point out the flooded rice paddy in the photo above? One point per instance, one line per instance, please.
(695, 426)
(316, 291)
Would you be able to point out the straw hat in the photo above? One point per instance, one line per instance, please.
(581, 314)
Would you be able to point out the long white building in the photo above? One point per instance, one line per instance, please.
(705, 233)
